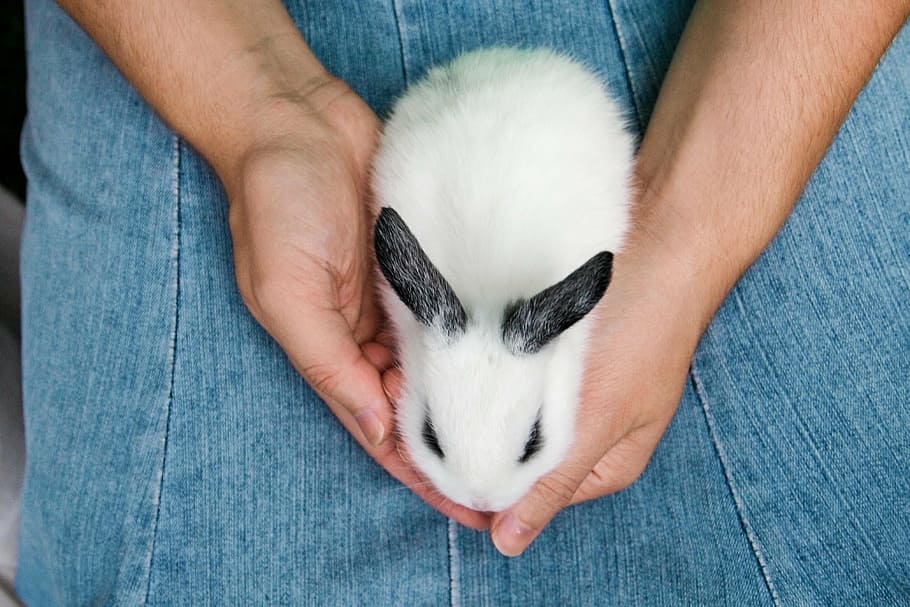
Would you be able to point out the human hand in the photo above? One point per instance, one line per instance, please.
(300, 222)
(643, 336)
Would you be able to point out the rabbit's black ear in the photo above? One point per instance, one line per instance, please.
(413, 276)
(530, 324)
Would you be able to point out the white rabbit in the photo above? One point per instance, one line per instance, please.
(504, 179)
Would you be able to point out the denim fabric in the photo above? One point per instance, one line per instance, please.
(175, 457)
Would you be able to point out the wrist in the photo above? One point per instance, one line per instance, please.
(672, 268)
(281, 122)
(269, 92)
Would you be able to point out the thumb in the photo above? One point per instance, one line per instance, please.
(513, 530)
(321, 346)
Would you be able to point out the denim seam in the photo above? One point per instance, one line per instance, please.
(630, 81)
(171, 360)
(402, 38)
(728, 476)
(454, 598)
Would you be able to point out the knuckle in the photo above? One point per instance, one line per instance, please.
(556, 489)
(324, 378)
(607, 479)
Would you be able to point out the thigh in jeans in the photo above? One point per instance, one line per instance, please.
(803, 377)
(804, 374)
(174, 456)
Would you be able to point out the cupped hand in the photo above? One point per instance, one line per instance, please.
(300, 220)
(644, 333)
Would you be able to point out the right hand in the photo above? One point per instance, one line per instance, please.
(301, 226)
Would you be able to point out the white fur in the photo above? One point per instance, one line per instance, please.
(512, 168)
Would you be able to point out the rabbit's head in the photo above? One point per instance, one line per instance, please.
(489, 395)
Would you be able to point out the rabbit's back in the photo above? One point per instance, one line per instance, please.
(511, 167)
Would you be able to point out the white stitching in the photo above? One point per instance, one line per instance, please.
(630, 81)
(402, 38)
(455, 599)
(171, 358)
(728, 476)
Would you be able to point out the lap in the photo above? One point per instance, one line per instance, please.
(805, 372)
(174, 452)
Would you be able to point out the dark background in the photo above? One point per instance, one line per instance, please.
(12, 98)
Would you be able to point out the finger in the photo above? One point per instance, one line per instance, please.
(407, 474)
(386, 337)
(583, 475)
(621, 465)
(393, 384)
(342, 401)
(324, 351)
(388, 456)
(472, 519)
(378, 355)
(370, 315)
(514, 529)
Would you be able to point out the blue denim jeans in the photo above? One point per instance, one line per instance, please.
(175, 457)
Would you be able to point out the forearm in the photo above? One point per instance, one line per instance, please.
(753, 98)
(215, 71)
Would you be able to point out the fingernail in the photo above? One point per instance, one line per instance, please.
(511, 537)
(371, 427)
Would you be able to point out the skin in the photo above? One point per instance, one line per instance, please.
(291, 144)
